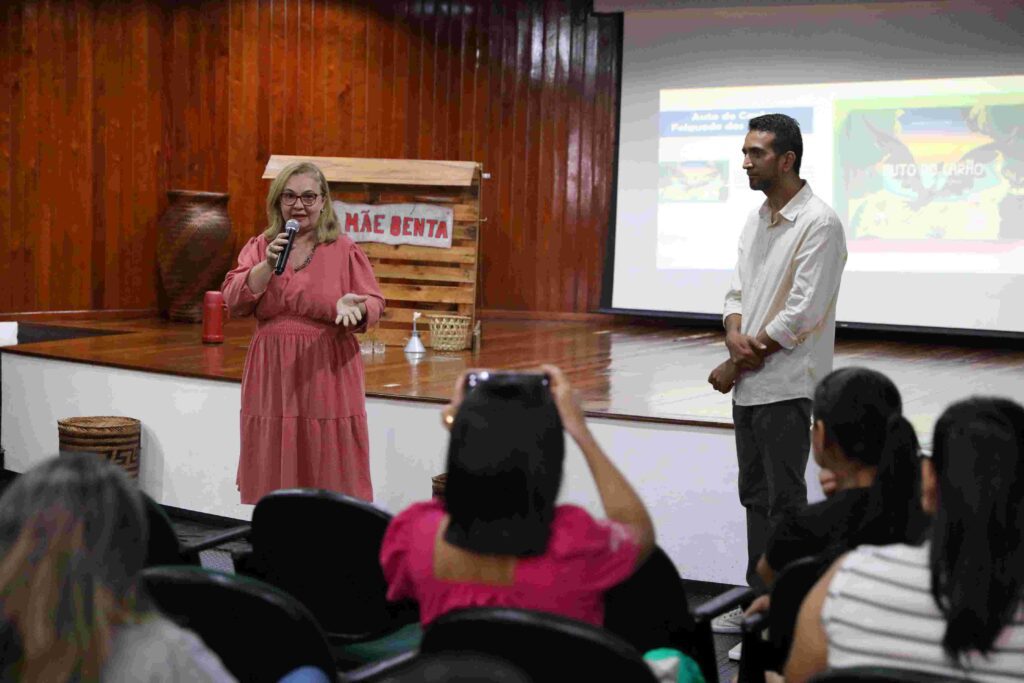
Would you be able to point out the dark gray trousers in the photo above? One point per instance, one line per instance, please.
(773, 441)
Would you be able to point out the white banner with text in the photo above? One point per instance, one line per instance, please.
(424, 225)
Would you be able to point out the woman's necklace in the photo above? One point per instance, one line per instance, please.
(308, 258)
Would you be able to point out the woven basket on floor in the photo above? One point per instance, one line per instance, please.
(449, 332)
(114, 438)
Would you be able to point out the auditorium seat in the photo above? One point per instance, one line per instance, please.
(323, 548)
(446, 667)
(788, 591)
(259, 632)
(547, 647)
(163, 546)
(650, 610)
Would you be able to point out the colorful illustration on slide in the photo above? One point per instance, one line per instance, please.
(930, 171)
(693, 181)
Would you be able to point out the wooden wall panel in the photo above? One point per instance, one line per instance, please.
(8, 25)
(106, 106)
(81, 167)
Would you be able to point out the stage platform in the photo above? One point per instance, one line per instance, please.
(623, 372)
(644, 388)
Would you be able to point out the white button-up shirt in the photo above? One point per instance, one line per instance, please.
(787, 282)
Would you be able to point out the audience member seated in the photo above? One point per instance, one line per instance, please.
(952, 605)
(73, 535)
(499, 540)
(73, 541)
(869, 457)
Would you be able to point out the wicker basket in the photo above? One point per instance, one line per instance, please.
(114, 438)
(449, 332)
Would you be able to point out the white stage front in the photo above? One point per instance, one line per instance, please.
(189, 453)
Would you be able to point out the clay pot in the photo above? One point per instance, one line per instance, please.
(194, 251)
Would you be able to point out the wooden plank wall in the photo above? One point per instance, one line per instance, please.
(106, 105)
(82, 172)
(423, 279)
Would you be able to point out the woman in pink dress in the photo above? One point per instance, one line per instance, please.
(303, 419)
(499, 540)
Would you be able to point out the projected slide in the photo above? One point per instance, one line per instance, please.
(929, 172)
(927, 176)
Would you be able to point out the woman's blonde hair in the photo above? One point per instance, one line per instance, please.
(327, 228)
(73, 539)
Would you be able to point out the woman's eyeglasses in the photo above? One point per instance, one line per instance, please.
(308, 198)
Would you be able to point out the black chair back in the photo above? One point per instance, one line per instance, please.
(448, 667)
(791, 586)
(259, 632)
(323, 548)
(650, 610)
(163, 546)
(547, 647)
(883, 674)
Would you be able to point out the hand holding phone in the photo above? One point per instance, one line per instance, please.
(568, 402)
(534, 384)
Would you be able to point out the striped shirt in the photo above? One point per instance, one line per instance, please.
(880, 612)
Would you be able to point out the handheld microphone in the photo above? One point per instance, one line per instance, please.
(292, 228)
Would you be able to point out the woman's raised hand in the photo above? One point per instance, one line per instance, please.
(349, 310)
(568, 402)
(275, 248)
(448, 412)
(621, 502)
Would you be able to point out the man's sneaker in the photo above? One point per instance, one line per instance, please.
(730, 622)
(736, 652)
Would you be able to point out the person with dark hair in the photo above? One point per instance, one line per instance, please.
(303, 412)
(860, 436)
(73, 536)
(952, 605)
(499, 539)
(779, 319)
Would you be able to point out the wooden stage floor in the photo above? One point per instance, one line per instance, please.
(631, 372)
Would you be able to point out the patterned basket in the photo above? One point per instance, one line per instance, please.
(114, 438)
(449, 332)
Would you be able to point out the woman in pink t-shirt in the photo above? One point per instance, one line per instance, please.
(499, 540)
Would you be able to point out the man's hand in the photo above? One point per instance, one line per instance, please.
(724, 376)
(745, 351)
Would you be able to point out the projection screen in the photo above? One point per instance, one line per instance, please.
(913, 123)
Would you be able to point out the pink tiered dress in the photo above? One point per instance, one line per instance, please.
(303, 418)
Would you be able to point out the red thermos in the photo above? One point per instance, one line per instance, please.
(214, 312)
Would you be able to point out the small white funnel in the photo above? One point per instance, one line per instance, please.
(415, 344)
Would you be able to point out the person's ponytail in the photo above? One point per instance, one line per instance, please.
(893, 513)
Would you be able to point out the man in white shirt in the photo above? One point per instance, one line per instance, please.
(780, 320)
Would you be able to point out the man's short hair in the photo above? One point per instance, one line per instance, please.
(787, 135)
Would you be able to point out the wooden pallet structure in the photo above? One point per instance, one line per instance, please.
(413, 278)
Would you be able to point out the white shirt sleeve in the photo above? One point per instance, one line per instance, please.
(734, 297)
(818, 269)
